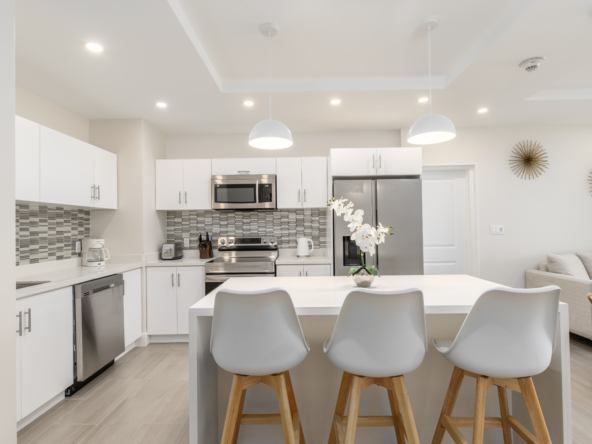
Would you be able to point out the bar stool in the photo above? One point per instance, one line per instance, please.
(379, 336)
(258, 337)
(507, 337)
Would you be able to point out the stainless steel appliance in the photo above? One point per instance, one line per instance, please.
(171, 251)
(244, 192)
(241, 257)
(98, 318)
(394, 202)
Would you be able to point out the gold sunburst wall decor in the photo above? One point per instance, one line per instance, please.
(528, 160)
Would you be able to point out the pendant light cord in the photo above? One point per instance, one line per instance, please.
(269, 63)
(429, 65)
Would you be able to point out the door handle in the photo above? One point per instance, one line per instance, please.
(179, 197)
(374, 161)
(185, 197)
(92, 193)
(306, 273)
(178, 279)
(380, 161)
(298, 195)
(99, 192)
(305, 195)
(28, 312)
(301, 274)
(243, 171)
(20, 318)
(172, 279)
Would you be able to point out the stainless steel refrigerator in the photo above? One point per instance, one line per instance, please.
(394, 202)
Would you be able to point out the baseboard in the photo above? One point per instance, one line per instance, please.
(40, 411)
(143, 341)
(159, 339)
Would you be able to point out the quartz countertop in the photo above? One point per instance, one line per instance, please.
(190, 259)
(69, 276)
(317, 257)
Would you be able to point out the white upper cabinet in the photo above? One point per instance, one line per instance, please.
(314, 182)
(399, 161)
(27, 160)
(197, 184)
(66, 169)
(105, 178)
(289, 182)
(301, 182)
(226, 167)
(376, 161)
(169, 184)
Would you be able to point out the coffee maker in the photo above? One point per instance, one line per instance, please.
(94, 253)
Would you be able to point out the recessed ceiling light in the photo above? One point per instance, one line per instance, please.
(94, 47)
(161, 104)
(335, 102)
(248, 103)
(482, 110)
(423, 99)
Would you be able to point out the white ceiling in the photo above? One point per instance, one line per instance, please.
(204, 58)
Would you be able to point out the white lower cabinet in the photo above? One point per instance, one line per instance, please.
(132, 306)
(303, 270)
(170, 292)
(44, 345)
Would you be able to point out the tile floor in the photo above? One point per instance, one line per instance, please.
(144, 399)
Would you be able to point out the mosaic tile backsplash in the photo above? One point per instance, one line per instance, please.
(286, 225)
(49, 233)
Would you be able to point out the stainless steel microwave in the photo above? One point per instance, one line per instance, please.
(244, 192)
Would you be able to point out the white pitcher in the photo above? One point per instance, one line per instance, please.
(302, 249)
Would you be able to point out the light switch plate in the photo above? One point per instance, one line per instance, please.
(186, 242)
(78, 247)
(497, 229)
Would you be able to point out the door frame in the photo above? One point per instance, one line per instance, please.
(471, 217)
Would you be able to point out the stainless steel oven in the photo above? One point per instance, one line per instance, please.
(244, 192)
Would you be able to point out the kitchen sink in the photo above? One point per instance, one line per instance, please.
(25, 284)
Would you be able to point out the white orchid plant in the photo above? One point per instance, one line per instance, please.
(365, 236)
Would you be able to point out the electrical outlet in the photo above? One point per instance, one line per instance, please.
(78, 247)
(186, 242)
(497, 229)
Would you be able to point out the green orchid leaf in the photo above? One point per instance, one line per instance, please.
(354, 270)
(373, 270)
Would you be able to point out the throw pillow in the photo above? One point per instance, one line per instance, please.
(568, 264)
(586, 259)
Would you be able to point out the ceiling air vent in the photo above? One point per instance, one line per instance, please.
(531, 64)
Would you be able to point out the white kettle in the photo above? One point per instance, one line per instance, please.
(302, 248)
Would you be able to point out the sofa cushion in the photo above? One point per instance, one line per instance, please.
(568, 264)
(586, 259)
(543, 267)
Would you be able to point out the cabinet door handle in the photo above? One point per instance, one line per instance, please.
(374, 161)
(243, 171)
(92, 192)
(178, 279)
(172, 279)
(185, 197)
(298, 195)
(306, 273)
(99, 192)
(179, 197)
(305, 195)
(380, 161)
(20, 318)
(28, 312)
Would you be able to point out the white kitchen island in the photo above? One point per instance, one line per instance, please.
(318, 301)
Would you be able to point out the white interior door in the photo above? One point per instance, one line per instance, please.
(132, 306)
(169, 184)
(190, 289)
(27, 160)
(105, 178)
(197, 184)
(161, 303)
(445, 222)
(289, 182)
(314, 182)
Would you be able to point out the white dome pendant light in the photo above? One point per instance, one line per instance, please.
(270, 134)
(431, 128)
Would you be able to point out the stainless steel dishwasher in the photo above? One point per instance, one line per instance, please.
(99, 331)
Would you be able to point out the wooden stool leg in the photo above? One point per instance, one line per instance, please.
(396, 417)
(239, 416)
(534, 410)
(232, 416)
(341, 402)
(480, 397)
(293, 405)
(453, 389)
(352, 412)
(406, 411)
(286, 414)
(505, 414)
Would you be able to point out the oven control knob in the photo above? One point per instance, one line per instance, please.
(222, 241)
(263, 241)
(271, 241)
(231, 241)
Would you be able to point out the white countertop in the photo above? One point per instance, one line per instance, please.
(325, 295)
(317, 257)
(69, 276)
(183, 262)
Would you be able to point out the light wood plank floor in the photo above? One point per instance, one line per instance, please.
(144, 399)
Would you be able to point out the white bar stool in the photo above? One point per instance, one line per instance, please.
(258, 337)
(379, 336)
(508, 336)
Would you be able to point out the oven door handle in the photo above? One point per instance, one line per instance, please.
(257, 192)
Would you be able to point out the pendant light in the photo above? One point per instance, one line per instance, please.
(431, 128)
(270, 134)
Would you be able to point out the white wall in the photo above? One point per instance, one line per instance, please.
(47, 113)
(208, 146)
(551, 214)
(7, 239)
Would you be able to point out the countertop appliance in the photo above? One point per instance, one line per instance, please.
(244, 192)
(98, 327)
(171, 251)
(241, 257)
(393, 202)
(302, 247)
(94, 253)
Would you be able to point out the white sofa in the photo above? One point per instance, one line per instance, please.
(574, 292)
